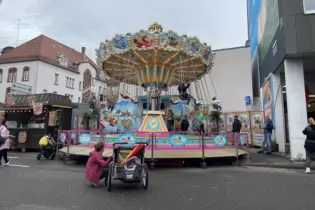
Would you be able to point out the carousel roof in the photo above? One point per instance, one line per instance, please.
(153, 56)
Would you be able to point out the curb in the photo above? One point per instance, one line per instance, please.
(276, 165)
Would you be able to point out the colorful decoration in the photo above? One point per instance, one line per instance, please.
(127, 138)
(178, 140)
(153, 123)
(220, 140)
(85, 138)
(154, 56)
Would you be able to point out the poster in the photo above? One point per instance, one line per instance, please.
(229, 120)
(245, 120)
(52, 120)
(256, 127)
(268, 105)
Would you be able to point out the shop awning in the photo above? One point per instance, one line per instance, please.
(50, 99)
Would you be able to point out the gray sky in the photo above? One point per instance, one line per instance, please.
(77, 23)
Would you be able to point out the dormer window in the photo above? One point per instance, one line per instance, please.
(62, 60)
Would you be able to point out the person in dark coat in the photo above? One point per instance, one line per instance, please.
(184, 95)
(268, 127)
(309, 144)
(236, 130)
(184, 125)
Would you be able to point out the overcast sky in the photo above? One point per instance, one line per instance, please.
(77, 23)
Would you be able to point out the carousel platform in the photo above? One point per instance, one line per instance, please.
(78, 150)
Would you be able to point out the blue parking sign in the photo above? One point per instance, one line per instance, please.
(247, 100)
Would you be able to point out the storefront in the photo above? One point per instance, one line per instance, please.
(31, 116)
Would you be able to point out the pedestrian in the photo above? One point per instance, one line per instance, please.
(170, 120)
(268, 127)
(236, 130)
(5, 134)
(97, 168)
(184, 125)
(309, 144)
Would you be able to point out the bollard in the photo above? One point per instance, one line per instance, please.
(152, 164)
(203, 163)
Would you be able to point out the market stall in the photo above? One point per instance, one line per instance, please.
(31, 116)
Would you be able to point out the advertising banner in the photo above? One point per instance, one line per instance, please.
(257, 122)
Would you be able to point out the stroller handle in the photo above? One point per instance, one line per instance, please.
(120, 143)
(145, 143)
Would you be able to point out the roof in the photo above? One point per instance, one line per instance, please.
(46, 49)
(45, 98)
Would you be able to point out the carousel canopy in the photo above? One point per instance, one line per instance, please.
(155, 57)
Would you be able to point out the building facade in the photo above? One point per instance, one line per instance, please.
(282, 34)
(44, 65)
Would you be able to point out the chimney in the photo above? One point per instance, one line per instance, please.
(83, 50)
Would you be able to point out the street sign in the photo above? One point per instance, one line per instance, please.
(20, 89)
(247, 100)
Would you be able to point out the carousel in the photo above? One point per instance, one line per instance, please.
(155, 61)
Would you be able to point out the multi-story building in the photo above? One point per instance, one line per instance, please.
(282, 35)
(47, 66)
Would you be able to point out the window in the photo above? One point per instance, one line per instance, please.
(309, 6)
(44, 91)
(80, 85)
(56, 79)
(87, 79)
(54, 92)
(26, 73)
(72, 83)
(1, 74)
(67, 82)
(71, 97)
(99, 89)
(12, 75)
(79, 100)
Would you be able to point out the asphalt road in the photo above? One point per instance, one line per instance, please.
(45, 185)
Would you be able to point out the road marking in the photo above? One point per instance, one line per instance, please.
(20, 166)
(10, 157)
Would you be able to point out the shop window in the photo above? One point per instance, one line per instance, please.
(12, 75)
(1, 74)
(309, 6)
(7, 94)
(87, 79)
(80, 85)
(56, 79)
(26, 73)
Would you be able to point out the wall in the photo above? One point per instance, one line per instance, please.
(299, 28)
(32, 76)
(230, 78)
(46, 80)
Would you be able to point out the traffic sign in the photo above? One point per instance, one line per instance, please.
(20, 89)
(247, 100)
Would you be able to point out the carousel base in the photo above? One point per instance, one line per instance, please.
(224, 152)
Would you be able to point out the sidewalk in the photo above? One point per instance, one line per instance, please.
(276, 160)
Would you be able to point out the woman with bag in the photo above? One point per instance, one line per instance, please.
(309, 145)
(5, 140)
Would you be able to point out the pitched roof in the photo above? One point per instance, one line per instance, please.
(45, 49)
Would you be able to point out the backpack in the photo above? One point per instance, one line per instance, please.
(2, 139)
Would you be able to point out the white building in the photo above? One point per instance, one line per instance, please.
(47, 66)
(230, 81)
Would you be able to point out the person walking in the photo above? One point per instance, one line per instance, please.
(267, 135)
(170, 120)
(236, 130)
(5, 134)
(309, 144)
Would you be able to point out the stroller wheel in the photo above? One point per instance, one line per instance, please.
(39, 157)
(145, 177)
(52, 157)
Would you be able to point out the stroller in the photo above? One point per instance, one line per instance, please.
(128, 165)
(48, 147)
